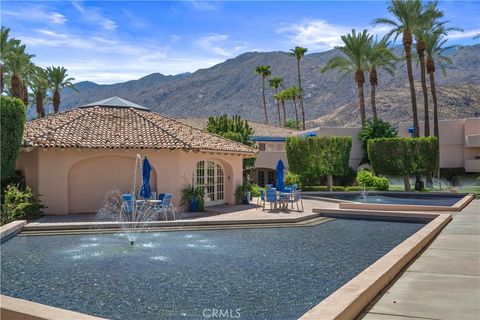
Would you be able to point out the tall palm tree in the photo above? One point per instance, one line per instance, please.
(298, 53)
(275, 83)
(58, 79)
(379, 56)
(353, 61)
(419, 34)
(18, 66)
(435, 50)
(282, 96)
(264, 72)
(39, 87)
(292, 94)
(410, 16)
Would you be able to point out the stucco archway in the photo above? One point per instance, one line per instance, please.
(109, 172)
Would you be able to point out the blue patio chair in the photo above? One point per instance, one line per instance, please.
(161, 196)
(269, 186)
(129, 203)
(296, 198)
(165, 205)
(271, 198)
(261, 199)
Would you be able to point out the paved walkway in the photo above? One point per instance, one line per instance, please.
(444, 282)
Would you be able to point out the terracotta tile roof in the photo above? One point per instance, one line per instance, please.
(259, 129)
(124, 128)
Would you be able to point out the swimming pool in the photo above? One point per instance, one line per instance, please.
(261, 273)
(397, 198)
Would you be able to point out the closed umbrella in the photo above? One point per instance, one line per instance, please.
(280, 171)
(145, 191)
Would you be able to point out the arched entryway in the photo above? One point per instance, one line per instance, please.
(210, 175)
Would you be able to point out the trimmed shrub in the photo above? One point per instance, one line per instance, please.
(256, 190)
(374, 129)
(316, 156)
(292, 178)
(367, 179)
(20, 204)
(403, 156)
(13, 117)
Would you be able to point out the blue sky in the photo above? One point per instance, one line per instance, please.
(115, 41)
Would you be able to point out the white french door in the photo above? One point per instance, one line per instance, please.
(209, 175)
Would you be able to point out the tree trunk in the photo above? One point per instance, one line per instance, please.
(296, 113)
(39, 104)
(406, 183)
(56, 101)
(1, 79)
(25, 95)
(436, 133)
(278, 108)
(284, 114)
(373, 85)
(421, 57)
(329, 182)
(407, 44)
(301, 93)
(360, 79)
(16, 87)
(264, 100)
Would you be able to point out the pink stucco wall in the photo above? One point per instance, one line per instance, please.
(75, 180)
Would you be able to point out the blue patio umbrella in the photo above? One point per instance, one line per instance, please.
(145, 191)
(280, 168)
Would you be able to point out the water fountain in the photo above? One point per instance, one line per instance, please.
(364, 193)
(132, 219)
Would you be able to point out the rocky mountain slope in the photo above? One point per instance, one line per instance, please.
(330, 99)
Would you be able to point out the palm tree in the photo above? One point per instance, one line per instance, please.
(6, 45)
(274, 83)
(282, 96)
(292, 94)
(39, 87)
(410, 16)
(379, 56)
(18, 66)
(435, 49)
(298, 53)
(264, 72)
(354, 61)
(58, 79)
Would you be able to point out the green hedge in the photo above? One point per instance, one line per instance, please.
(19, 204)
(13, 117)
(366, 178)
(318, 156)
(374, 129)
(403, 156)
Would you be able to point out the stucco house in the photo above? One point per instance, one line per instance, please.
(72, 159)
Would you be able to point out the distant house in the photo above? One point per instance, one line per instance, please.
(73, 158)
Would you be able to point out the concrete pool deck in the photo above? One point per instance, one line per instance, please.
(443, 283)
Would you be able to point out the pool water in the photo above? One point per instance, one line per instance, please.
(424, 199)
(261, 273)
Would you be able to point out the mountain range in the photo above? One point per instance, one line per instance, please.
(231, 87)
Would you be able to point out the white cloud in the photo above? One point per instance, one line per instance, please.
(204, 5)
(453, 35)
(175, 38)
(95, 15)
(36, 13)
(210, 44)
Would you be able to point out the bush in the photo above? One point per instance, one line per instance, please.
(366, 178)
(20, 204)
(403, 156)
(256, 190)
(292, 178)
(311, 157)
(13, 117)
(335, 188)
(374, 129)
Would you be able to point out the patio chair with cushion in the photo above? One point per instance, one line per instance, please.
(271, 198)
(261, 199)
(129, 203)
(296, 198)
(166, 205)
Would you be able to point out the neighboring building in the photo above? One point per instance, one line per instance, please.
(459, 142)
(271, 140)
(72, 159)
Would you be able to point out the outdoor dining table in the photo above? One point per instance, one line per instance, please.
(283, 198)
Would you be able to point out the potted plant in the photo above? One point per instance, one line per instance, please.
(244, 193)
(193, 197)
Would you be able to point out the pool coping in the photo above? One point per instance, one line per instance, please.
(11, 229)
(352, 298)
(345, 204)
(14, 308)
